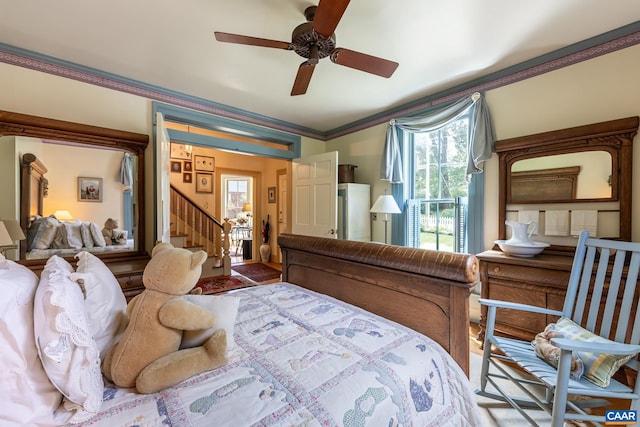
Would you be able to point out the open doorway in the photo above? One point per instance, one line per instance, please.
(237, 203)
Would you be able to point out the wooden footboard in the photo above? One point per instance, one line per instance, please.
(427, 291)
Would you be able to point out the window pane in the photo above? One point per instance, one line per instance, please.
(237, 194)
(440, 185)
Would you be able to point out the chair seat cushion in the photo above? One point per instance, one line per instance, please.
(594, 367)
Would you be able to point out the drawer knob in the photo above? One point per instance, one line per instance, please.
(496, 269)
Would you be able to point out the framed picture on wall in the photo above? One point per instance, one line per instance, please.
(179, 151)
(204, 163)
(204, 183)
(89, 189)
(176, 166)
(271, 194)
(188, 166)
(187, 177)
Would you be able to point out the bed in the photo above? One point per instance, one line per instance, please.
(47, 236)
(342, 340)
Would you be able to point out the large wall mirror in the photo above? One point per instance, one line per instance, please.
(585, 168)
(64, 166)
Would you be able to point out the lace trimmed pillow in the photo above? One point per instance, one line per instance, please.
(105, 304)
(65, 344)
(27, 396)
(596, 368)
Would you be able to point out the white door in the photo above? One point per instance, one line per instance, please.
(163, 174)
(315, 195)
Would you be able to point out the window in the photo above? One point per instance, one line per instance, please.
(433, 183)
(237, 195)
(439, 190)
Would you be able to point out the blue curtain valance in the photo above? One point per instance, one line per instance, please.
(481, 142)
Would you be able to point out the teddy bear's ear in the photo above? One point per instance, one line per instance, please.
(160, 247)
(198, 258)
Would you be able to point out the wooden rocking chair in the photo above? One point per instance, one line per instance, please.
(599, 326)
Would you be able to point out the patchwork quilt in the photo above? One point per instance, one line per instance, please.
(305, 359)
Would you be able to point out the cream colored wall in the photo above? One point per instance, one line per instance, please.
(13, 148)
(35, 93)
(364, 149)
(40, 94)
(89, 163)
(603, 88)
(10, 179)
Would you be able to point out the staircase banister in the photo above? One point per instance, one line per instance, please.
(198, 208)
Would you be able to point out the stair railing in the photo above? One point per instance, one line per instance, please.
(200, 228)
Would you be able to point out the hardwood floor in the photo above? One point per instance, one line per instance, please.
(475, 346)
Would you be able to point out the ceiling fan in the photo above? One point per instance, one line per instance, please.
(315, 40)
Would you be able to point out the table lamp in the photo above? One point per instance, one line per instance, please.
(385, 204)
(10, 231)
(63, 215)
(247, 209)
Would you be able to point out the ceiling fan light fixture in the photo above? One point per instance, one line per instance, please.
(304, 37)
(316, 39)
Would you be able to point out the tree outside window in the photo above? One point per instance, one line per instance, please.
(440, 185)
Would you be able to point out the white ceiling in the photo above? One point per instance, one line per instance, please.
(438, 44)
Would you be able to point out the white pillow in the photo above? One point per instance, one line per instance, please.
(105, 304)
(68, 236)
(225, 309)
(64, 340)
(27, 396)
(87, 239)
(96, 233)
(44, 240)
(35, 230)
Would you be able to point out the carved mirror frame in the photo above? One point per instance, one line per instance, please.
(17, 124)
(614, 137)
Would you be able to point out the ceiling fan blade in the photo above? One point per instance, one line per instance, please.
(300, 85)
(327, 16)
(363, 62)
(253, 41)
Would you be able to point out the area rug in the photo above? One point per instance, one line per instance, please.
(214, 285)
(257, 271)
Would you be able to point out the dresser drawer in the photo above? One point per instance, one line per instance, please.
(131, 284)
(540, 281)
(531, 322)
(523, 274)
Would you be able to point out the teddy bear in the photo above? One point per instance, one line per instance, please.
(109, 225)
(148, 356)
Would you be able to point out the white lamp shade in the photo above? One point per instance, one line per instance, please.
(14, 229)
(385, 204)
(63, 215)
(5, 238)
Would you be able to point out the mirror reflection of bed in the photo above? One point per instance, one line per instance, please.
(61, 158)
(66, 219)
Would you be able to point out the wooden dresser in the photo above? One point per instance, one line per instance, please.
(129, 275)
(540, 280)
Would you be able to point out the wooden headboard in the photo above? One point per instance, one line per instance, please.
(425, 290)
(545, 184)
(33, 190)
